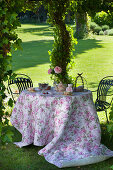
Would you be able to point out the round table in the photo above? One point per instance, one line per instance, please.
(66, 125)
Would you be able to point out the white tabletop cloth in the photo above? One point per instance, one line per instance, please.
(67, 126)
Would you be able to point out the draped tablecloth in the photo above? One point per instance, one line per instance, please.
(67, 126)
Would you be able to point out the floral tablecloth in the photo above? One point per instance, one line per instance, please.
(67, 127)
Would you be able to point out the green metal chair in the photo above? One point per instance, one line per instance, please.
(21, 81)
(104, 90)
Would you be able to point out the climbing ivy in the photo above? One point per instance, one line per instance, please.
(61, 54)
(8, 41)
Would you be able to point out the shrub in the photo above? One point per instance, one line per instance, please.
(106, 32)
(110, 19)
(101, 18)
(105, 27)
(92, 26)
(111, 32)
(97, 29)
(101, 33)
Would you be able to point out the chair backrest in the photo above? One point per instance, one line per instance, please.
(104, 87)
(22, 82)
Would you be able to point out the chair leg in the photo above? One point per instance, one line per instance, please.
(106, 116)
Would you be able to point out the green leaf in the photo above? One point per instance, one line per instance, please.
(5, 22)
(5, 30)
(1, 56)
(6, 113)
(111, 167)
(5, 78)
(10, 102)
(110, 128)
(6, 121)
(0, 129)
(5, 41)
(1, 92)
(13, 76)
(9, 66)
(14, 15)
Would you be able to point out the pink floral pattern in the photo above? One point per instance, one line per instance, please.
(67, 126)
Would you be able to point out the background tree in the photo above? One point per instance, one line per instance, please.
(89, 7)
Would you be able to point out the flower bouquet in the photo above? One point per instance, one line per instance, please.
(57, 77)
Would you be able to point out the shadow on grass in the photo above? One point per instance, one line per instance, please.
(93, 85)
(39, 31)
(45, 33)
(33, 53)
(36, 52)
(85, 45)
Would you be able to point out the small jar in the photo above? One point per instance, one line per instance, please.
(69, 88)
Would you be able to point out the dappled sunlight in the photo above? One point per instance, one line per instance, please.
(35, 32)
(93, 56)
(84, 45)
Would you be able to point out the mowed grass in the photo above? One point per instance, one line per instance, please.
(93, 57)
(34, 59)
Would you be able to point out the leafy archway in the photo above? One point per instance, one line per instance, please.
(61, 54)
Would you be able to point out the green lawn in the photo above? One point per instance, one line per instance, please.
(93, 57)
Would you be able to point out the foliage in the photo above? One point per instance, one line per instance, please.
(110, 19)
(61, 53)
(97, 29)
(111, 32)
(92, 26)
(104, 18)
(9, 42)
(106, 32)
(110, 125)
(83, 8)
(101, 18)
(101, 33)
(105, 27)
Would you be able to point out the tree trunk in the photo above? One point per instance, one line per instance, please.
(81, 25)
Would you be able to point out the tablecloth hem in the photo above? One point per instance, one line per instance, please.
(79, 162)
(22, 144)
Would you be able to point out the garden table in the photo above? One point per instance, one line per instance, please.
(66, 125)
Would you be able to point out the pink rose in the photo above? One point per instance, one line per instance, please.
(57, 69)
(49, 71)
